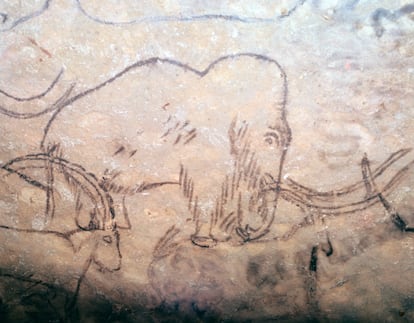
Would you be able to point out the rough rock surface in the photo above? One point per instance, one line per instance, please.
(233, 161)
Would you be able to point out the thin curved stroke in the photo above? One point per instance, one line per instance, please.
(189, 18)
(29, 115)
(23, 19)
(36, 96)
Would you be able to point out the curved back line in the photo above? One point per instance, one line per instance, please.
(200, 72)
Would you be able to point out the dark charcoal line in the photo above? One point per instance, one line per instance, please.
(28, 17)
(192, 18)
(34, 97)
(313, 263)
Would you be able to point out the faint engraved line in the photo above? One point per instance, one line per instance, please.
(25, 18)
(191, 18)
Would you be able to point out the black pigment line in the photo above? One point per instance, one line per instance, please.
(192, 18)
(37, 96)
(27, 17)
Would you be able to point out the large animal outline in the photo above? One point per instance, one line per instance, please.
(236, 130)
(269, 187)
(246, 165)
(189, 124)
(246, 206)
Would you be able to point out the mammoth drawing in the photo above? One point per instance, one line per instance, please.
(217, 134)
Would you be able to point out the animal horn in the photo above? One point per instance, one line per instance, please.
(122, 219)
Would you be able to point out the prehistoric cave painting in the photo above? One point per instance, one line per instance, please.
(238, 198)
(246, 148)
(222, 150)
(14, 13)
(66, 205)
(391, 15)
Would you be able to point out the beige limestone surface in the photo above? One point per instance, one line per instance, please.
(184, 161)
